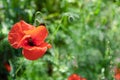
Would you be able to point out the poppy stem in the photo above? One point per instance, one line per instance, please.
(54, 33)
(19, 68)
(56, 30)
(58, 27)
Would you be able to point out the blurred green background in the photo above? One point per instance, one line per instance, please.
(85, 38)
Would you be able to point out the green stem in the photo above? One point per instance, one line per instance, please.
(19, 68)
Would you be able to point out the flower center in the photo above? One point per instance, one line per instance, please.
(30, 42)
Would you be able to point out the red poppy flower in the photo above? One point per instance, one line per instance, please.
(75, 77)
(117, 74)
(7, 66)
(83, 79)
(30, 38)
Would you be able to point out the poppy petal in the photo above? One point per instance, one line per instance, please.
(117, 76)
(74, 77)
(34, 53)
(38, 34)
(17, 32)
(45, 45)
(83, 78)
(8, 67)
(23, 42)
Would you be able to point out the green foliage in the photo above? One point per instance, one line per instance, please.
(84, 35)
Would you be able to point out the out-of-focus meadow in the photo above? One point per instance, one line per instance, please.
(85, 38)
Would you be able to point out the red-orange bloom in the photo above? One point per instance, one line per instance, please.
(7, 66)
(30, 38)
(117, 74)
(75, 77)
